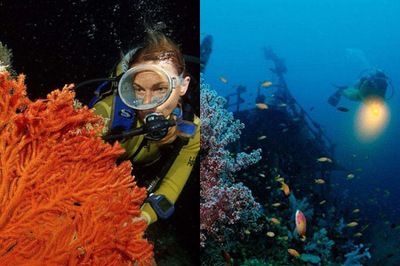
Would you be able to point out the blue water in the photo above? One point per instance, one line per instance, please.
(313, 37)
(323, 42)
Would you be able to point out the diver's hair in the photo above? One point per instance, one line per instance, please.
(158, 47)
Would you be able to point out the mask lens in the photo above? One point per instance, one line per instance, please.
(145, 86)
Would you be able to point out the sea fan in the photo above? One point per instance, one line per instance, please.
(63, 199)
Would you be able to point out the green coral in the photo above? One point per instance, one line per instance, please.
(5, 57)
(321, 245)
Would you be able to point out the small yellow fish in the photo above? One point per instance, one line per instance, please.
(322, 202)
(262, 137)
(319, 181)
(269, 187)
(365, 227)
(262, 175)
(275, 221)
(324, 160)
(282, 105)
(356, 210)
(293, 252)
(285, 238)
(266, 84)
(247, 232)
(352, 224)
(350, 176)
(224, 80)
(358, 234)
(276, 204)
(261, 106)
(285, 188)
(280, 179)
(270, 234)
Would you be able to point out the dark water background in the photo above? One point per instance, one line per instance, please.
(58, 42)
(323, 43)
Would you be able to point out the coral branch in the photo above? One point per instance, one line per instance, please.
(63, 200)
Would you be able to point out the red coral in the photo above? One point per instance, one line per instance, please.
(63, 200)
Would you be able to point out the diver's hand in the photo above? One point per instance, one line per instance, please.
(142, 217)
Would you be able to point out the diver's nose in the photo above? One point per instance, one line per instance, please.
(147, 98)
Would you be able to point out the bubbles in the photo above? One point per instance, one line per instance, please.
(92, 30)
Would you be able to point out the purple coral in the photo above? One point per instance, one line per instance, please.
(223, 203)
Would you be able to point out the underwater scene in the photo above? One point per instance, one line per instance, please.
(300, 132)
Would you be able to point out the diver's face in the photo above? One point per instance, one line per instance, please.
(150, 85)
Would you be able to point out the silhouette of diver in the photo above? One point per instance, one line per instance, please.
(372, 85)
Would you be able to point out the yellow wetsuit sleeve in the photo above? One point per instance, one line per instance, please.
(103, 107)
(175, 179)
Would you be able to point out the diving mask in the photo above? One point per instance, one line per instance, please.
(146, 86)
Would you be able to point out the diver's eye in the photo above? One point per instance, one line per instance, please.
(160, 90)
(139, 91)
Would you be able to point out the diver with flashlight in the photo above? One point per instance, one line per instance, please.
(373, 85)
(145, 112)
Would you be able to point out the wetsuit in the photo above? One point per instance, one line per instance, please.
(150, 154)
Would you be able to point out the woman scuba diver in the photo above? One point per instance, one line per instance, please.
(145, 112)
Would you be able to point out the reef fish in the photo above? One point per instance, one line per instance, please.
(261, 106)
(324, 160)
(343, 109)
(270, 234)
(285, 188)
(350, 176)
(319, 181)
(293, 252)
(261, 137)
(356, 210)
(275, 221)
(227, 258)
(352, 224)
(276, 204)
(301, 224)
(223, 79)
(322, 202)
(266, 84)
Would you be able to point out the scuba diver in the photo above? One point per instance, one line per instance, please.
(372, 85)
(144, 110)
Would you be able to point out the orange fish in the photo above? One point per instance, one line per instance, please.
(285, 188)
(261, 106)
(293, 252)
(275, 221)
(227, 257)
(301, 224)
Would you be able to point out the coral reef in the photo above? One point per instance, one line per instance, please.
(355, 257)
(320, 245)
(63, 199)
(223, 202)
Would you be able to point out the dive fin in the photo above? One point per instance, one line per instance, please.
(335, 98)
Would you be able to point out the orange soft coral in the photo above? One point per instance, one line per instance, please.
(63, 200)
